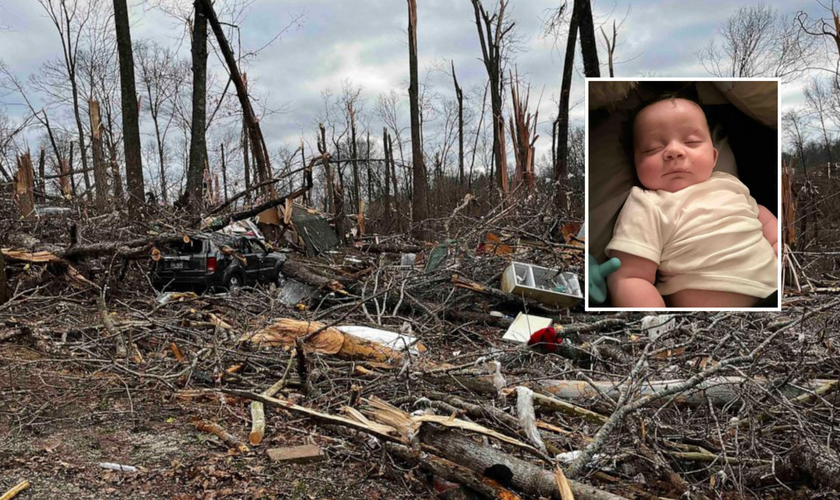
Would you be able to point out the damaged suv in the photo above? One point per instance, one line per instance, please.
(211, 261)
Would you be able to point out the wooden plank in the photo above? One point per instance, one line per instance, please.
(307, 453)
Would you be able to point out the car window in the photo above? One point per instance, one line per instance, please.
(257, 246)
(193, 246)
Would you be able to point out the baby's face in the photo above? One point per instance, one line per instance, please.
(672, 146)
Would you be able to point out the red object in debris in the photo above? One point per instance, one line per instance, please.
(211, 264)
(547, 338)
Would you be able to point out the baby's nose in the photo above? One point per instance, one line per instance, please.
(673, 151)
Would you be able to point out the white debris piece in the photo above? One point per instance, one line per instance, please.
(524, 326)
(392, 340)
(118, 467)
(527, 418)
(655, 326)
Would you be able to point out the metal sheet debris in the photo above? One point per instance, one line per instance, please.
(314, 230)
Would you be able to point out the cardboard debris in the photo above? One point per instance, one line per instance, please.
(524, 326)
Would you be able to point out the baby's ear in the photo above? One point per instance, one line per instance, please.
(716, 155)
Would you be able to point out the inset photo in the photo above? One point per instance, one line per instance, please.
(683, 194)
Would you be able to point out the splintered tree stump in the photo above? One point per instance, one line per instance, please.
(24, 187)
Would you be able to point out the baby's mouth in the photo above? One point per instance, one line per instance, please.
(677, 171)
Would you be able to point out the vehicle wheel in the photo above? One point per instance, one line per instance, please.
(234, 283)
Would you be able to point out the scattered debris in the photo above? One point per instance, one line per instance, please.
(117, 467)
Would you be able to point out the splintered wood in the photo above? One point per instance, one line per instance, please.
(24, 186)
(319, 338)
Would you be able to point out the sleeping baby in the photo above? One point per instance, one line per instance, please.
(692, 237)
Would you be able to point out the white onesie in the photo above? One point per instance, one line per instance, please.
(705, 237)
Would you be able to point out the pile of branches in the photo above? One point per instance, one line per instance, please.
(627, 406)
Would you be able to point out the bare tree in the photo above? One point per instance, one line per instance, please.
(419, 200)
(756, 41)
(822, 28)
(794, 125)
(130, 118)
(560, 127)
(69, 19)
(492, 32)
(161, 75)
(818, 97)
(609, 42)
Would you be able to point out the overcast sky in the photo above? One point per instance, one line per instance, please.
(364, 41)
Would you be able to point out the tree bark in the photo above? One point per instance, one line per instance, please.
(588, 47)
(131, 126)
(42, 181)
(245, 159)
(194, 192)
(100, 176)
(561, 167)
(224, 172)
(459, 96)
(419, 199)
(386, 195)
(483, 459)
(354, 156)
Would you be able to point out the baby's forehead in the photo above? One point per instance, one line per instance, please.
(668, 107)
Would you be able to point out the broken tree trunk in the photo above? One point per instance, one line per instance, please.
(322, 339)
(255, 134)
(25, 187)
(523, 475)
(298, 271)
(718, 390)
(42, 182)
(419, 198)
(100, 177)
